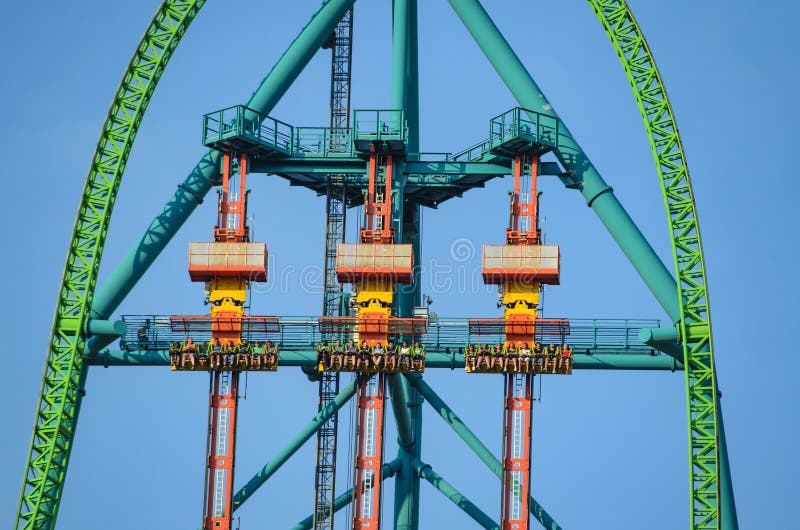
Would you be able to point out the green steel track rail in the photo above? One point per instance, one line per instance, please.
(695, 322)
(65, 369)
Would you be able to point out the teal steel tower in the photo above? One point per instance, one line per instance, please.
(329, 160)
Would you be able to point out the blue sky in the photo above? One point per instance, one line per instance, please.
(609, 447)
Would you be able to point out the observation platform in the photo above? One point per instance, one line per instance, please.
(380, 131)
(521, 130)
(306, 155)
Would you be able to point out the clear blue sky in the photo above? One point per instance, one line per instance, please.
(610, 447)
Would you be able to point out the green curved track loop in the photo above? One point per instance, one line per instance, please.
(695, 323)
(65, 370)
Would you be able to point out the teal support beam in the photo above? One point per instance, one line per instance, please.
(291, 448)
(472, 441)
(658, 335)
(402, 416)
(426, 471)
(192, 191)
(401, 13)
(307, 359)
(663, 339)
(728, 517)
(102, 333)
(115, 328)
(406, 402)
(599, 195)
(388, 470)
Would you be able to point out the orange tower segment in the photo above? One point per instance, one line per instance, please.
(374, 266)
(226, 265)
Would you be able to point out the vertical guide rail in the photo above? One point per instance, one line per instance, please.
(335, 223)
(369, 453)
(221, 450)
(517, 451)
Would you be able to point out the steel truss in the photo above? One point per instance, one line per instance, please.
(687, 249)
(332, 303)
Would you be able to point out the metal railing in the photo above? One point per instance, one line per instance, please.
(379, 125)
(156, 332)
(519, 123)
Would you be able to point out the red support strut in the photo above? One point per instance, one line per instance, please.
(517, 451)
(221, 450)
(369, 453)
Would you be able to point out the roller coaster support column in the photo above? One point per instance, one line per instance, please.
(406, 401)
(599, 195)
(192, 191)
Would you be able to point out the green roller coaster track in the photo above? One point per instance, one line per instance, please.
(65, 369)
(687, 250)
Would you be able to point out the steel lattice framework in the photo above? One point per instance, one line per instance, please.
(687, 249)
(72, 333)
(335, 223)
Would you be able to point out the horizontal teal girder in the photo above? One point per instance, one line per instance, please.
(114, 328)
(317, 169)
(307, 358)
(663, 339)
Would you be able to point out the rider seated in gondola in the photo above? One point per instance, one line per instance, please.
(552, 357)
(174, 354)
(188, 350)
(497, 357)
(525, 358)
(361, 356)
(215, 353)
(538, 357)
(470, 357)
(418, 357)
(228, 354)
(323, 356)
(243, 353)
(512, 358)
(484, 356)
(202, 355)
(403, 353)
(390, 359)
(337, 348)
(376, 360)
(272, 354)
(565, 359)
